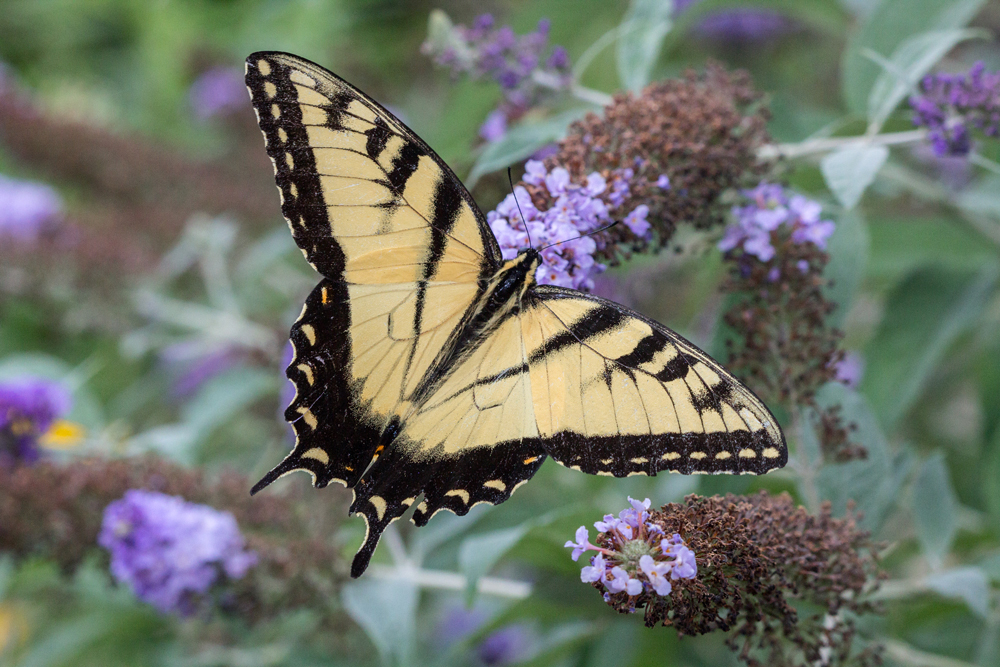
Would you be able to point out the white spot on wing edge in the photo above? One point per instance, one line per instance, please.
(310, 333)
(308, 373)
(461, 493)
(309, 417)
(264, 67)
(496, 484)
(318, 454)
(378, 502)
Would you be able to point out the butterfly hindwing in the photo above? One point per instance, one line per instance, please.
(617, 394)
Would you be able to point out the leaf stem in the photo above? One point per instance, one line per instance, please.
(828, 144)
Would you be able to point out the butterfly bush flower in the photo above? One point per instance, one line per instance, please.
(950, 106)
(27, 209)
(556, 217)
(218, 92)
(771, 207)
(738, 24)
(524, 66)
(634, 561)
(782, 583)
(29, 409)
(782, 340)
(171, 552)
(674, 149)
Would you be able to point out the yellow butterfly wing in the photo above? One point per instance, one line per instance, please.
(426, 370)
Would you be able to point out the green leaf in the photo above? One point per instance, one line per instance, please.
(520, 142)
(479, 553)
(991, 473)
(909, 63)
(850, 170)
(969, 584)
(385, 608)
(225, 395)
(848, 250)
(934, 509)
(442, 527)
(640, 39)
(885, 29)
(923, 316)
(872, 483)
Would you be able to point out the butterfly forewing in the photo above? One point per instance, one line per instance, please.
(415, 383)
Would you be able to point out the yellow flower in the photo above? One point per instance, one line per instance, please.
(63, 435)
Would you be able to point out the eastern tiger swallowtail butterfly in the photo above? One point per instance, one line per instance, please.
(430, 371)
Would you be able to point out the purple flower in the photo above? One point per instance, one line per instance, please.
(657, 573)
(663, 182)
(506, 646)
(171, 552)
(636, 220)
(458, 622)
(28, 408)
(217, 92)
(596, 571)
(770, 208)
(567, 255)
(851, 369)
(191, 364)
(685, 566)
(484, 50)
(494, 127)
(949, 105)
(582, 542)
(27, 209)
(739, 24)
(621, 581)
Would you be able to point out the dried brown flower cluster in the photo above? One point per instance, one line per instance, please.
(784, 583)
(783, 346)
(55, 511)
(702, 132)
(131, 190)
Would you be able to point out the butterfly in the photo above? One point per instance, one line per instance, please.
(429, 370)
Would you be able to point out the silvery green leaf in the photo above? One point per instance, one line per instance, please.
(385, 608)
(908, 64)
(850, 170)
(848, 250)
(520, 142)
(934, 508)
(969, 584)
(640, 39)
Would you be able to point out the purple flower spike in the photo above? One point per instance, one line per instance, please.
(770, 210)
(663, 182)
(950, 105)
(170, 552)
(494, 127)
(218, 92)
(582, 542)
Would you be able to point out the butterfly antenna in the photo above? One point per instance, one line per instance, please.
(511, 181)
(582, 235)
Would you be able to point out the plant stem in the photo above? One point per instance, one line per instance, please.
(453, 581)
(827, 144)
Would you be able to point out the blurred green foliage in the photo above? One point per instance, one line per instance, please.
(915, 276)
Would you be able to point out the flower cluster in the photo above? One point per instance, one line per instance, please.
(739, 24)
(299, 566)
(27, 209)
(635, 557)
(170, 551)
(682, 143)
(217, 92)
(771, 207)
(948, 104)
(555, 214)
(785, 584)
(29, 407)
(782, 342)
(524, 67)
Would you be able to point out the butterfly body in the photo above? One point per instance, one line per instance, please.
(428, 370)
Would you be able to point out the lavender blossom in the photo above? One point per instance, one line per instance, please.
(27, 209)
(576, 210)
(518, 63)
(770, 209)
(218, 92)
(191, 364)
(494, 127)
(951, 105)
(632, 555)
(29, 407)
(739, 24)
(171, 552)
(506, 646)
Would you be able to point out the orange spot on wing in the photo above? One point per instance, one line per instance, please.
(530, 460)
